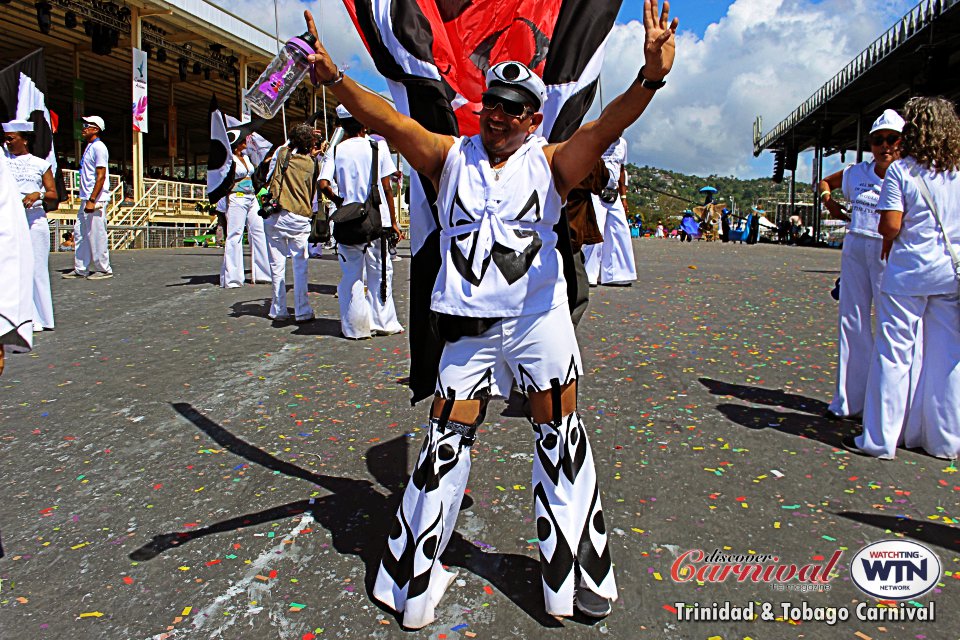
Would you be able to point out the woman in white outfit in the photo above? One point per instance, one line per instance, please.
(241, 209)
(860, 265)
(293, 182)
(34, 179)
(920, 223)
(16, 270)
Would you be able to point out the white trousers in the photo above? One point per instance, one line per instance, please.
(860, 272)
(93, 252)
(287, 235)
(889, 387)
(361, 311)
(612, 261)
(242, 212)
(40, 239)
(16, 273)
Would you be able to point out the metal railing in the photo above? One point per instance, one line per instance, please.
(172, 198)
(918, 18)
(150, 236)
(134, 217)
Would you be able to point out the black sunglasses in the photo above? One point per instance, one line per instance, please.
(891, 139)
(8, 138)
(509, 107)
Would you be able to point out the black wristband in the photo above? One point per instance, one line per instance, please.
(653, 85)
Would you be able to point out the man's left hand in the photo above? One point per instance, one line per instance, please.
(659, 44)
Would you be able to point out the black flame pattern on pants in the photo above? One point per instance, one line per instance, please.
(411, 579)
(570, 523)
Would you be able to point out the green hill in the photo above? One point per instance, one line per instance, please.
(651, 191)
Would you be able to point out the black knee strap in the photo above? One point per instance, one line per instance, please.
(555, 394)
(467, 432)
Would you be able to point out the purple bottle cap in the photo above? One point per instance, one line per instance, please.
(305, 43)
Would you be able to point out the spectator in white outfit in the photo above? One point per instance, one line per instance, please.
(293, 183)
(362, 312)
(34, 179)
(612, 262)
(241, 209)
(920, 223)
(92, 256)
(860, 265)
(16, 270)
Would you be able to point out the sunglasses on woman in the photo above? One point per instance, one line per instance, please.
(509, 107)
(891, 139)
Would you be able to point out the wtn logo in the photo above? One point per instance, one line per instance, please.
(904, 570)
(895, 569)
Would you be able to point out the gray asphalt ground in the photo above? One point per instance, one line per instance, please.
(177, 466)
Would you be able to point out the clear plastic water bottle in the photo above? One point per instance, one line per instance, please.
(281, 76)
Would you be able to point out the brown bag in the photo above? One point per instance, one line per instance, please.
(580, 212)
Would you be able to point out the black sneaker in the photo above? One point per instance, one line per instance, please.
(591, 604)
(850, 444)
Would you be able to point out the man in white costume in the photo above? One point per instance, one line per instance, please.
(501, 304)
(16, 270)
(861, 268)
(611, 262)
(92, 256)
(362, 311)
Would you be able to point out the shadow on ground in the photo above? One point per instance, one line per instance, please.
(358, 517)
(803, 417)
(931, 532)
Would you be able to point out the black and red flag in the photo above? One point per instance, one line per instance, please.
(434, 55)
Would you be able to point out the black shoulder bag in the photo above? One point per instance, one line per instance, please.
(359, 222)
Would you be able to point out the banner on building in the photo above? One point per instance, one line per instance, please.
(139, 90)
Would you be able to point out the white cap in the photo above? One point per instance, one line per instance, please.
(96, 121)
(889, 120)
(17, 126)
(514, 81)
(342, 112)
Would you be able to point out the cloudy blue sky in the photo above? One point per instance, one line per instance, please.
(736, 60)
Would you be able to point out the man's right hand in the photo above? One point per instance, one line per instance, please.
(324, 69)
(90, 206)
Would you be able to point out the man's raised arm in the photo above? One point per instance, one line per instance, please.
(424, 150)
(573, 159)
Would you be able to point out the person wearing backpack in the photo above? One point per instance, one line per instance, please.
(292, 185)
(365, 290)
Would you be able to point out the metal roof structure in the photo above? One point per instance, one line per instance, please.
(919, 55)
(221, 51)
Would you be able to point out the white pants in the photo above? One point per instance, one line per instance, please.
(40, 239)
(612, 261)
(889, 387)
(16, 273)
(860, 272)
(538, 351)
(242, 212)
(287, 238)
(93, 252)
(361, 311)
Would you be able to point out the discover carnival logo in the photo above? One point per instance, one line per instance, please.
(895, 569)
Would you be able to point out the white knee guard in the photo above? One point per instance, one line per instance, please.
(411, 579)
(570, 525)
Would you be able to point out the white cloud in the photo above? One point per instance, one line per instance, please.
(333, 22)
(763, 58)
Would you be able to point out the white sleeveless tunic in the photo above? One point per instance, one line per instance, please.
(497, 243)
